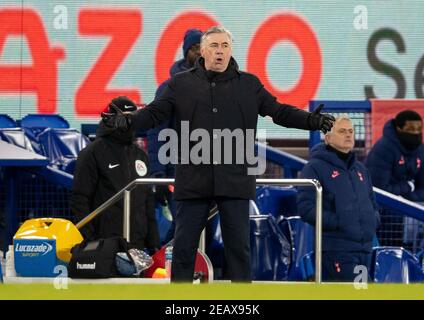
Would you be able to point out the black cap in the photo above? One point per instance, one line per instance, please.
(123, 103)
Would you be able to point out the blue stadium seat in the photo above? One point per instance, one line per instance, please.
(51, 136)
(276, 200)
(10, 132)
(62, 146)
(44, 121)
(307, 266)
(270, 249)
(302, 239)
(34, 124)
(395, 265)
(420, 257)
(162, 222)
(7, 122)
(17, 137)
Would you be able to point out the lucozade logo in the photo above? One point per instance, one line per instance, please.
(35, 250)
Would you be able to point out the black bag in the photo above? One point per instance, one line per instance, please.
(96, 259)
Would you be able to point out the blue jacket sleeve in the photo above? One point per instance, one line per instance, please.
(306, 203)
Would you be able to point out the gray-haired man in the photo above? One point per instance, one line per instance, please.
(216, 95)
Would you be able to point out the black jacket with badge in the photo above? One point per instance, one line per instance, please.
(103, 168)
(210, 100)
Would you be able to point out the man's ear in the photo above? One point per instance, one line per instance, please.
(327, 138)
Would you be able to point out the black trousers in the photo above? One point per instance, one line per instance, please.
(191, 218)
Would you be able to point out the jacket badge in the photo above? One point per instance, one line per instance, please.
(335, 174)
(141, 168)
(401, 161)
(418, 163)
(361, 177)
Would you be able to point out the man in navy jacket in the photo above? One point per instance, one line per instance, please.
(350, 215)
(396, 165)
(396, 160)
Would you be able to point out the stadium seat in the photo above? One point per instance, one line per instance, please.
(62, 146)
(276, 200)
(302, 239)
(395, 265)
(7, 122)
(10, 132)
(17, 137)
(420, 257)
(44, 121)
(34, 124)
(307, 266)
(50, 136)
(270, 249)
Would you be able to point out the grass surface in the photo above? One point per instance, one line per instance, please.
(278, 291)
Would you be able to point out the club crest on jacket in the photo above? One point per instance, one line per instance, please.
(141, 168)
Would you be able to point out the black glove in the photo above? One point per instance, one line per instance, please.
(320, 121)
(118, 120)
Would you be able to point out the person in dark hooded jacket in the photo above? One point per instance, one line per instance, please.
(350, 215)
(396, 160)
(215, 96)
(396, 166)
(103, 168)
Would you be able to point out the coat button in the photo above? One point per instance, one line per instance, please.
(213, 84)
(215, 110)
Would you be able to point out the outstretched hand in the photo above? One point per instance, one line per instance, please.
(321, 121)
(117, 120)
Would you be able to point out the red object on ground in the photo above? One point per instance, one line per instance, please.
(202, 264)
